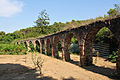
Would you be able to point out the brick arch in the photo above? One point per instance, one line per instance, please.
(94, 29)
(67, 43)
(88, 45)
(68, 38)
(84, 35)
(115, 28)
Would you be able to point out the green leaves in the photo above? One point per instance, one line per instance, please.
(103, 36)
(113, 57)
(112, 13)
(12, 49)
(31, 46)
(42, 21)
(115, 11)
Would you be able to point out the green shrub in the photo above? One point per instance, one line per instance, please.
(59, 46)
(74, 48)
(37, 47)
(103, 36)
(31, 46)
(113, 57)
(11, 49)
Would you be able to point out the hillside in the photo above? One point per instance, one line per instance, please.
(36, 31)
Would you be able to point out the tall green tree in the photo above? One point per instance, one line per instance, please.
(112, 13)
(117, 8)
(115, 11)
(43, 21)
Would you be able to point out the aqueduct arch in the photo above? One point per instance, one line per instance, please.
(84, 35)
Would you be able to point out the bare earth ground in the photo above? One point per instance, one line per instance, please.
(20, 67)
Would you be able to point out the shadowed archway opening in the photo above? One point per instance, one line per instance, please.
(104, 43)
(60, 49)
(31, 46)
(74, 46)
(71, 46)
(25, 44)
(102, 36)
(37, 46)
(17, 42)
(48, 47)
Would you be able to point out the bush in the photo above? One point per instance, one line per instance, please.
(74, 48)
(37, 61)
(103, 36)
(31, 47)
(113, 57)
(11, 49)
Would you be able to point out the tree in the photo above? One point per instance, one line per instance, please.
(43, 21)
(2, 33)
(112, 13)
(115, 11)
(117, 8)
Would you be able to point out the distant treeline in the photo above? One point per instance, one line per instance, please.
(42, 27)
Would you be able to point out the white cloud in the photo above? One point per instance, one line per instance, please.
(10, 7)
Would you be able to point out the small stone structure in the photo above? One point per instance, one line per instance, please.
(84, 34)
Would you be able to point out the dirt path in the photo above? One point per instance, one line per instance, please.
(20, 67)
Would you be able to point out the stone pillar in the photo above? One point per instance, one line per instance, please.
(82, 55)
(53, 50)
(45, 46)
(48, 47)
(88, 53)
(40, 46)
(54, 45)
(85, 49)
(27, 42)
(81, 41)
(65, 51)
(56, 49)
(118, 62)
(34, 44)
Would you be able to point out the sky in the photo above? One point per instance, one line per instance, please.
(21, 14)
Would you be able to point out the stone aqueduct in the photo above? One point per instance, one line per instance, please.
(84, 34)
